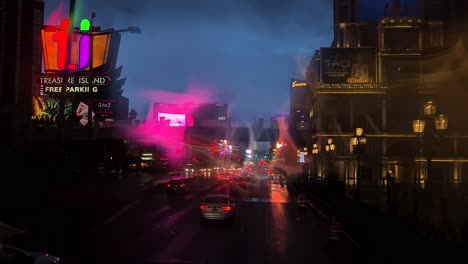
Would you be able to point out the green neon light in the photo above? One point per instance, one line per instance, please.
(85, 24)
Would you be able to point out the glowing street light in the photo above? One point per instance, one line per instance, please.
(358, 140)
(432, 123)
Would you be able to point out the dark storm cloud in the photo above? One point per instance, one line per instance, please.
(246, 49)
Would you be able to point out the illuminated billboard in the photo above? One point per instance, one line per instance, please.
(298, 83)
(45, 111)
(172, 120)
(348, 67)
(97, 84)
(55, 46)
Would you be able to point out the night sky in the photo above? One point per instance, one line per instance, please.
(371, 10)
(242, 52)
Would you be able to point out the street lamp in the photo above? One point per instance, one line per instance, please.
(432, 123)
(90, 93)
(330, 148)
(358, 140)
(315, 151)
(307, 161)
(131, 29)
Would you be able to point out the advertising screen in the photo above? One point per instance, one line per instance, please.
(348, 65)
(105, 107)
(45, 111)
(174, 120)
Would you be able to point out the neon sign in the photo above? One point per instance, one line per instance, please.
(61, 37)
(55, 41)
(298, 84)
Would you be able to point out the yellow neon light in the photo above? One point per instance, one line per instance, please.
(298, 84)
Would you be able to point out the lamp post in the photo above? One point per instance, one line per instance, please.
(307, 162)
(358, 140)
(131, 29)
(434, 123)
(315, 151)
(330, 148)
(90, 93)
(65, 72)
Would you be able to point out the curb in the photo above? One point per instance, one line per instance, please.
(328, 219)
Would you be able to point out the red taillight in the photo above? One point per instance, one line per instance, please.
(203, 207)
(227, 208)
(168, 185)
(219, 176)
(182, 185)
(229, 176)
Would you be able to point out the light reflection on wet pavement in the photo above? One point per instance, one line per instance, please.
(166, 229)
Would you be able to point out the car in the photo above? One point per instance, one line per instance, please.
(176, 187)
(11, 254)
(217, 207)
(223, 176)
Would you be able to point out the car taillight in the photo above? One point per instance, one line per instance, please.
(219, 176)
(229, 176)
(168, 185)
(227, 208)
(203, 207)
(182, 185)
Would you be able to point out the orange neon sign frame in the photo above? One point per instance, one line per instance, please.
(101, 43)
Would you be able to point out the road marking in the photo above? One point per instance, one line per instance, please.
(260, 200)
(120, 212)
(327, 218)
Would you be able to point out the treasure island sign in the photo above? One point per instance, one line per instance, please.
(83, 79)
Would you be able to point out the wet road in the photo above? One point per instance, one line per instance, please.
(160, 228)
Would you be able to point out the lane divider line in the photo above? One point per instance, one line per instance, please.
(120, 212)
(327, 218)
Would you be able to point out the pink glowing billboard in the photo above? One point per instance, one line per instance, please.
(173, 120)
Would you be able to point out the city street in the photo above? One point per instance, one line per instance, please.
(161, 228)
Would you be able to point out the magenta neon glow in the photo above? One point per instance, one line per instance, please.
(85, 42)
(171, 139)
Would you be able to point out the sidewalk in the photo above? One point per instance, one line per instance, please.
(383, 237)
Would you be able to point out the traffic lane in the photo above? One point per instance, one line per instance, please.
(153, 209)
(263, 232)
(163, 240)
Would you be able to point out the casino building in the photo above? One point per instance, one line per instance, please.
(20, 64)
(382, 97)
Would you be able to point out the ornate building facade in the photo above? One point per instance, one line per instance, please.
(399, 79)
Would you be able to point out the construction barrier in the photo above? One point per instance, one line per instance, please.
(335, 230)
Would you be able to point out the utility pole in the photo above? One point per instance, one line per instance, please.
(90, 81)
(61, 117)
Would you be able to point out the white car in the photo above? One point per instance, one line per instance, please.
(217, 207)
(11, 254)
